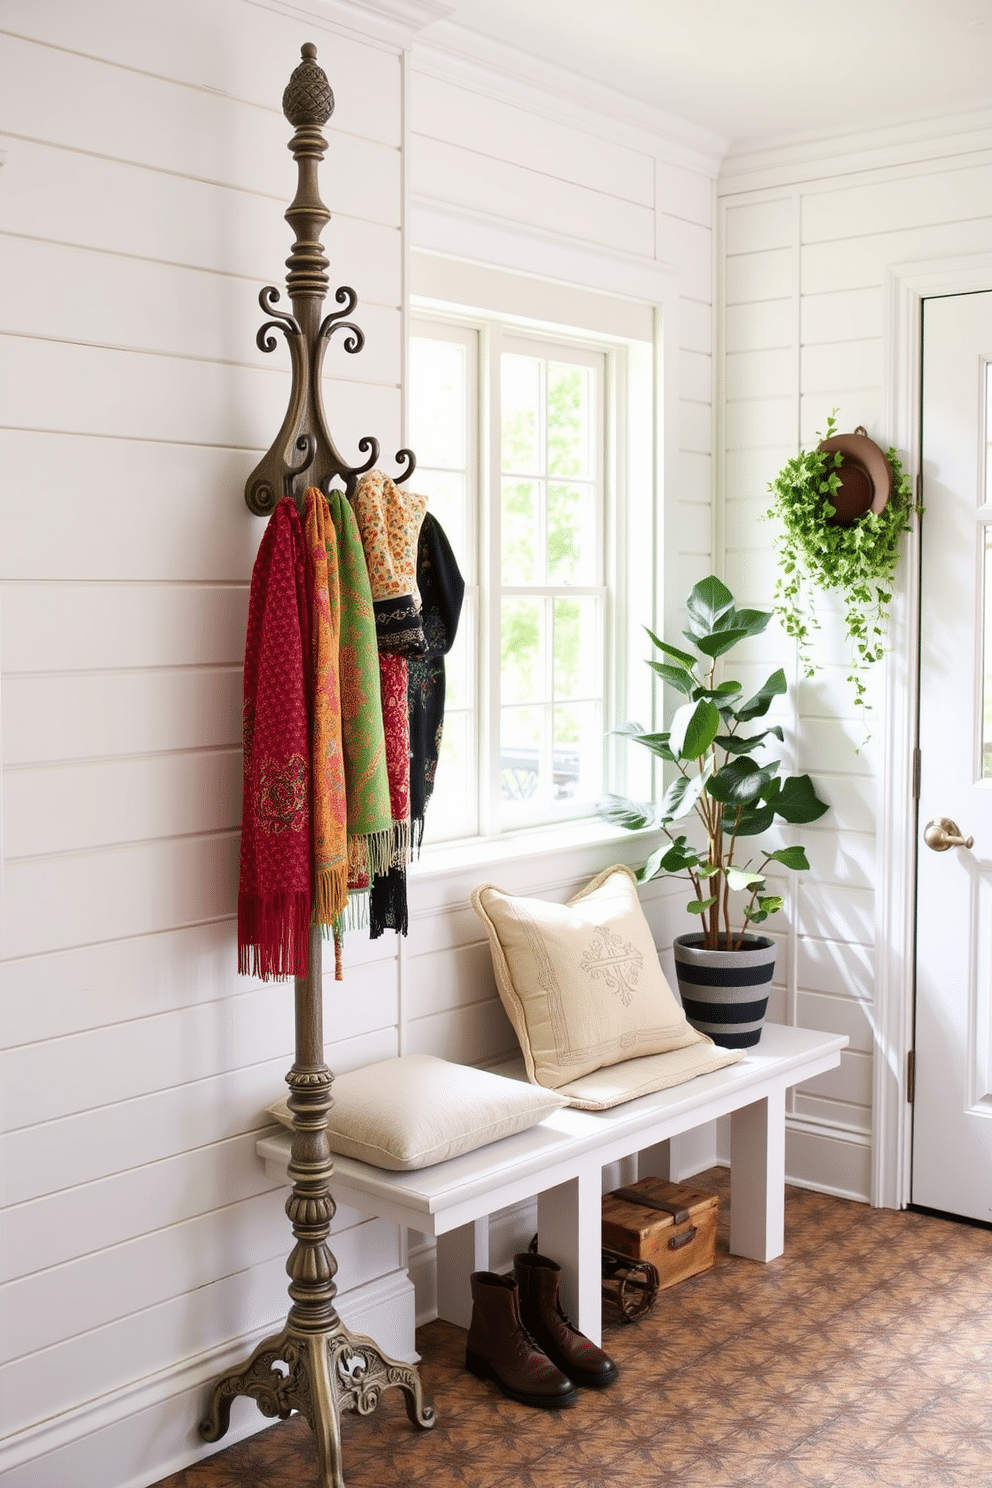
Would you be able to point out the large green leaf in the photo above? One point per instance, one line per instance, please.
(740, 781)
(736, 744)
(791, 857)
(754, 820)
(740, 878)
(708, 601)
(682, 795)
(657, 743)
(797, 801)
(700, 906)
(679, 856)
(652, 866)
(682, 657)
(622, 812)
(757, 706)
(694, 727)
(751, 622)
(719, 641)
(675, 676)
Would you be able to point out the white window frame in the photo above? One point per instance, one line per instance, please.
(482, 562)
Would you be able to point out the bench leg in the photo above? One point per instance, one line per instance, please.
(569, 1226)
(757, 1177)
(459, 1253)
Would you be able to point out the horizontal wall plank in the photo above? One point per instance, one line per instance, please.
(844, 1012)
(828, 1161)
(445, 172)
(846, 1116)
(833, 367)
(70, 627)
(850, 1082)
(93, 1290)
(690, 248)
(833, 912)
(838, 746)
(695, 476)
(65, 293)
(755, 422)
(49, 194)
(115, 892)
(448, 980)
(760, 326)
(487, 126)
(760, 373)
(695, 426)
(98, 390)
(844, 858)
(845, 315)
(182, 130)
(91, 1216)
(475, 1034)
(684, 193)
(768, 275)
(245, 52)
(695, 527)
(696, 376)
(696, 324)
(748, 472)
(860, 263)
(175, 511)
(119, 713)
(753, 227)
(126, 1060)
(143, 1342)
(108, 1139)
(72, 807)
(905, 202)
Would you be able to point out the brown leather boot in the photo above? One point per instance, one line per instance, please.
(499, 1348)
(542, 1315)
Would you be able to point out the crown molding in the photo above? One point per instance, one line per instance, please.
(483, 65)
(914, 140)
(395, 22)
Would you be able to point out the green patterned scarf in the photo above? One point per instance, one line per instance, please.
(370, 831)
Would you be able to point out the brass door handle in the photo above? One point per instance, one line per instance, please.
(942, 833)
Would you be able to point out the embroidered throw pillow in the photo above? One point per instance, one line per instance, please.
(582, 985)
(417, 1110)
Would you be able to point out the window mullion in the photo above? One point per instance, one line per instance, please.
(490, 487)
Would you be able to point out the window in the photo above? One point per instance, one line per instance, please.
(515, 437)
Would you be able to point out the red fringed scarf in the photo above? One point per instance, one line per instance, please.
(274, 889)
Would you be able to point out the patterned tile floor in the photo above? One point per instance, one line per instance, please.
(863, 1356)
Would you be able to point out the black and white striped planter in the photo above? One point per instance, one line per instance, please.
(725, 993)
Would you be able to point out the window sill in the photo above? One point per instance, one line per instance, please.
(444, 859)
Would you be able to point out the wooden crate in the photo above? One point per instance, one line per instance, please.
(673, 1225)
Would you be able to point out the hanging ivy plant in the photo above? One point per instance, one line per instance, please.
(858, 560)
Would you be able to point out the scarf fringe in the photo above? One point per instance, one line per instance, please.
(370, 854)
(273, 934)
(330, 894)
(399, 853)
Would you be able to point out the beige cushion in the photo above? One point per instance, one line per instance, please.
(417, 1110)
(581, 982)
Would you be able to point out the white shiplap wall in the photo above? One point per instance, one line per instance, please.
(141, 200)
(806, 249)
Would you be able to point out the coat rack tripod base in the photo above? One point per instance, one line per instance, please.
(315, 1365)
(326, 1369)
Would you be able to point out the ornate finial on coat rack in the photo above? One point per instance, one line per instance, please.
(303, 452)
(315, 1365)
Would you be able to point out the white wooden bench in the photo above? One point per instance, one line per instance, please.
(561, 1161)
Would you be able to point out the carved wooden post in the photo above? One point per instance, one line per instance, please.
(326, 1368)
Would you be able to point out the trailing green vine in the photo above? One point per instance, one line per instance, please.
(858, 561)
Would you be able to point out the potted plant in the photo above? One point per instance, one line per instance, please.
(724, 779)
(842, 509)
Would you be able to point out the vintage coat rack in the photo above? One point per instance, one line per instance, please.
(325, 1369)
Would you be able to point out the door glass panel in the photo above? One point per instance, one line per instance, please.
(987, 682)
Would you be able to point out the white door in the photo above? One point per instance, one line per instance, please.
(952, 1115)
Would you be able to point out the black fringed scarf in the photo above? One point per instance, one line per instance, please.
(442, 590)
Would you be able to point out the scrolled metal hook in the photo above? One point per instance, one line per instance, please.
(281, 320)
(410, 458)
(307, 444)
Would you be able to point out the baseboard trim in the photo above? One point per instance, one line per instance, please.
(160, 1413)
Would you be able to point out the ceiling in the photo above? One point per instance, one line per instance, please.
(761, 69)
